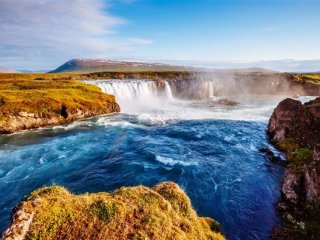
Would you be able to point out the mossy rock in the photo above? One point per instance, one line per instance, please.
(163, 212)
(300, 159)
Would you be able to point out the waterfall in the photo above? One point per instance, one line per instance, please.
(168, 92)
(209, 89)
(135, 96)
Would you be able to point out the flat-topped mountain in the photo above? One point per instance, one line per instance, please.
(100, 65)
(96, 65)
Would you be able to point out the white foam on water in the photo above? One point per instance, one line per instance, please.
(172, 162)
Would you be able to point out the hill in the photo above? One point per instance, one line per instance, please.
(94, 65)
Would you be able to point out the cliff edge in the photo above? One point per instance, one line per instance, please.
(294, 128)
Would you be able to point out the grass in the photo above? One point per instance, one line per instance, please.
(313, 78)
(38, 76)
(45, 98)
(163, 212)
(298, 157)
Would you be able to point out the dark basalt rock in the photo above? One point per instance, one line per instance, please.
(295, 129)
(292, 187)
(227, 102)
(288, 119)
(312, 178)
(269, 154)
(64, 112)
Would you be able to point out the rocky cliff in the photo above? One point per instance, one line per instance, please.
(295, 129)
(186, 84)
(163, 212)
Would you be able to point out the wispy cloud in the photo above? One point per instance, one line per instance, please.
(139, 41)
(36, 30)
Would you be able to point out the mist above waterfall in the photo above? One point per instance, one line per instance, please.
(160, 101)
(235, 83)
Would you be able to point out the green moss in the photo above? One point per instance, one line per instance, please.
(300, 159)
(287, 145)
(104, 210)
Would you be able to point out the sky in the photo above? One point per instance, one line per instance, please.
(43, 34)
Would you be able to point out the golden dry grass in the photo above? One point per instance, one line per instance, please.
(44, 97)
(163, 212)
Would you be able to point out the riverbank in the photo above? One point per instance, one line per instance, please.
(31, 101)
(35, 100)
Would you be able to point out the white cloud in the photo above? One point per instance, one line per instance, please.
(139, 41)
(38, 30)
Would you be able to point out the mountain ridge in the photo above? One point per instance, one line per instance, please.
(100, 65)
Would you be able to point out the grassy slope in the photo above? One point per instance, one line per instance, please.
(21, 93)
(313, 78)
(163, 212)
(125, 69)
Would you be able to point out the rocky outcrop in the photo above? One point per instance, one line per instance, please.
(161, 212)
(295, 129)
(27, 104)
(24, 120)
(288, 119)
(311, 177)
(292, 187)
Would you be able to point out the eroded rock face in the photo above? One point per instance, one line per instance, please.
(292, 119)
(288, 119)
(312, 177)
(161, 212)
(295, 129)
(292, 187)
(24, 120)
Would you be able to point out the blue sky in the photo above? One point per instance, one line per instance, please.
(186, 31)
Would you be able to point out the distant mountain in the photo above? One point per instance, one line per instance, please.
(7, 70)
(251, 70)
(94, 65)
(282, 65)
(36, 71)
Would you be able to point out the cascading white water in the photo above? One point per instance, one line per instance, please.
(209, 89)
(154, 103)
(137, 96)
